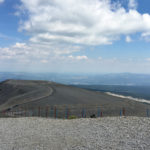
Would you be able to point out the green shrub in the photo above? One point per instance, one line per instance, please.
(72, 117)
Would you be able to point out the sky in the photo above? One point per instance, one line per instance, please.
(75, 36)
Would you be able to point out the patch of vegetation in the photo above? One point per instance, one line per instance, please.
(72, 117)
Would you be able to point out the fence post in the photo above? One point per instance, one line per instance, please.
(25, 112)
(51, 112)
(123, 111)
(147, 112)
(55, 112)
(67, 113)
(39, 111)
(32, 112)
(120, 112)
(11, 114)
(82, 113)
(5, 112)
(98, 112)
(20, 112)
(15, 110)
(46, 111)
(101, 114)
(19, 109)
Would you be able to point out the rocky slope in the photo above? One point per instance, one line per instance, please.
(29, 95)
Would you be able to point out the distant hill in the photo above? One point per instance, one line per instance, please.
(86, 79)
(29, 95)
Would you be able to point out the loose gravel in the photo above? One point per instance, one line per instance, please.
(108, 133)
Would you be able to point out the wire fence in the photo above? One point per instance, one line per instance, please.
(72, 112)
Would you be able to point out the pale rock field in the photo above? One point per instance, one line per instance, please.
(108, 133)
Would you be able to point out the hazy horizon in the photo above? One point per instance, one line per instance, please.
(75, 73)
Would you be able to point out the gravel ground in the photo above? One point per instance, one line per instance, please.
(117, 133)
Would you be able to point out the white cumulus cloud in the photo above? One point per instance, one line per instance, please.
(87, 22)
(31, 52)
(57, 29)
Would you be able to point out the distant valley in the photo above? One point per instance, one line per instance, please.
(141, 92)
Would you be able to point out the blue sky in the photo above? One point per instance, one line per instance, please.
(81, 36)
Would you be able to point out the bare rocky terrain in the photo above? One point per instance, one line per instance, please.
(28, 96)
(38, 133)
(117, 133)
